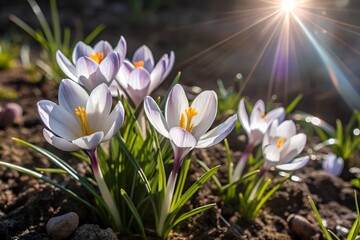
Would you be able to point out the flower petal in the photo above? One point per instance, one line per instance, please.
(293, 165)
(277, 113)
(103, 47)
(217, 134)
(286, 129)
(333, 165)
(121, 48)
(123, 75)
(85, 67)
(58, 142)
(155, 116)
(271, 154)
(66, 66)
(257, 111)
(71, 95)
(295, 147)
(98, 107)
(58, 120)
(89, 142)
(243, 117)
(182, 142)
(176, 104)
(157, 75)
(110, 66)
(143, 53)
(81, 50)
(206, 105)
(114, 121)
(170, 64)
(138, 85)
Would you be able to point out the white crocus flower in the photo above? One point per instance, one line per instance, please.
(195, 119)
(259, 121)
(91, 67)
(333, 164)
(80, 121)
(281, 145)
(140, 77)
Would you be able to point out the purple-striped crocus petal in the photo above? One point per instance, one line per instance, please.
(103, 47)
(58, 142)
(71, 95)
(81, 50)
(138, 85)
(258, 109)
(114, 121)
(123, 75)
(66, 66)
(277, 113)
(286, 129)
(109, 67)
(217, 134)
(182, 143)
(121, 48)
(143, 53)
(58, 120)
(156, 75)
(243, 117)
(89, 142)
(98, 107)
(206, 106)
(270, 133)
(155, 116)
(94, 80)
(85, 67)
(115, 89)
(169, 65)
(271, 154)
(295, 147)
(256, 137)
(176, 104)
(333, 164)
(293, 165)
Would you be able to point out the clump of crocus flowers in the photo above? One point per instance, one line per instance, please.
(129, 157)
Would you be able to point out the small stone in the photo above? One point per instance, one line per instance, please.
(61, 227)
(93, 232)
(301, 227)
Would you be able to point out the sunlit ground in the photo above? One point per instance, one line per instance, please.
(287, 46)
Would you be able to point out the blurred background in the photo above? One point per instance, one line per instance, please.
(265, 49)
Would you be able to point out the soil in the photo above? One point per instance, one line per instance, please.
(26, 204)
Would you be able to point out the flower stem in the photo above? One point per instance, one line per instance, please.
(242, 162)
(166, 204)
(104, 190)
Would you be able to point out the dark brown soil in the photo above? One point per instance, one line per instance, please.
(26, 204)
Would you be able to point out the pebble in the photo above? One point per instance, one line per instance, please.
(301, 227)
(63, 226)
(93, 232)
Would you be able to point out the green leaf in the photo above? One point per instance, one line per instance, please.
(51, 170)
(243, 178)
(42, 20)
(318, 218)
(229, 161)
(215, 179)
(192, 213)
(94, 34)
(182, 179)
(356, 225)
(293, 104)
(133, 210)
(190, 192)
(175, 81)
(339, 132)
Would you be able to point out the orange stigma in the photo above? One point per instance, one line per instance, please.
(186, 122)
(97, 57)
(280, 142)
(138, 64)
(262, 115)
(82, 115)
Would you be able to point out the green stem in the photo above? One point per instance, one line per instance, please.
(104, 190)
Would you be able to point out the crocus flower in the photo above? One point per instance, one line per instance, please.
(255, 128)
(333, 164)
(195, 119)
(80, 121)
(281, 145)
(92, 66)
(259, 122)
(141, 76)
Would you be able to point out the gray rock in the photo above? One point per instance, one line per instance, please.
(93, 232)
(63, 226)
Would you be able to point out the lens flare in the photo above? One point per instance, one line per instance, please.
(288, 5)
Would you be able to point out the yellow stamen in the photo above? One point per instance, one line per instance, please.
(187, 124)
(82, 115)
(280, 142)
(138, 64)
(97, 57)
(262, 115)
